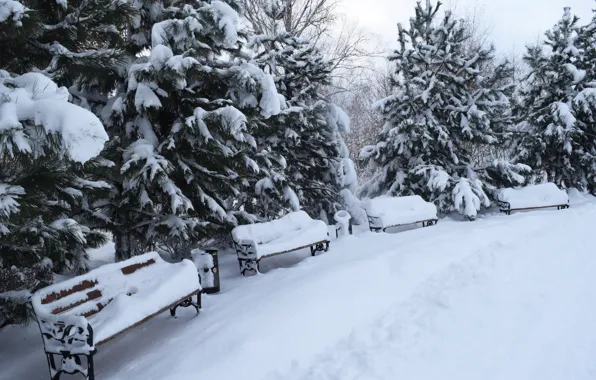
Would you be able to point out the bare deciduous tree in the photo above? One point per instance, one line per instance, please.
(366, 123)
(308, 18)
(348, 46)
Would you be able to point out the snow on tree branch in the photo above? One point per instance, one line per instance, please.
(32, 100)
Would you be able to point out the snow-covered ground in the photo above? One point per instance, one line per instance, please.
(504, 297)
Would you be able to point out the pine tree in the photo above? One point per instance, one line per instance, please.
(78, 43)
(44, 140)
(308, 132)
(587, 41)
(556, 132)
(182, 150)
(585, 101)
(441, 106)
(44, 143)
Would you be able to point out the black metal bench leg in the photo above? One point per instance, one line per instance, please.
(91, 368)
(248, 267)
(52, 366)
(374, 223)
(187, 303)
(319, 247)
(73, 337)
(71, 365)
(247, 259)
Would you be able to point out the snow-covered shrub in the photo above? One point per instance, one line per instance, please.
(353, 206)
(468, 196)
(16, 286)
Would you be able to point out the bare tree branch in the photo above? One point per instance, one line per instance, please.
(347, 46)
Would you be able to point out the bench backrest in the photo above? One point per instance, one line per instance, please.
(262, 233)
(88, 294)
(385, 204)
(534, 195)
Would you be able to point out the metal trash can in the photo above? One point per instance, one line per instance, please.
(207, 265)
(343, 223)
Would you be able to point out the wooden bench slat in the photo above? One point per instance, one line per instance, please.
(293, 249)
(407, 224)
(86, 284)
(92, 295)
(135, 267)
(535, 207)
(99, 305)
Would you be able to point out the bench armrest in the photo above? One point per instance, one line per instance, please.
(245, 242)
(246, 249)
(504, 205)
(374, 222)
(65, 334)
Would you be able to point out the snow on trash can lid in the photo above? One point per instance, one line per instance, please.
(201, 259)
(342, 216)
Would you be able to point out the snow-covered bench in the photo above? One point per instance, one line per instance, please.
(289, 233)
(79, 314)
(532, 197)
(384, 212)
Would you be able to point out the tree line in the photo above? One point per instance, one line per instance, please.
(163, 124)
(455, 123)
(209, 125)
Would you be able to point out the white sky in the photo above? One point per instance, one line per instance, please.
(513, 23)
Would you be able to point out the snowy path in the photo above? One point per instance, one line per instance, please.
(519, 310)
(500, 298)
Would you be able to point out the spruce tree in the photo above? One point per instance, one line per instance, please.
(585, 101)
(556, 131)
(78, 43)
(441, 106)
(182, 150)
(308, 132)
(44, 141)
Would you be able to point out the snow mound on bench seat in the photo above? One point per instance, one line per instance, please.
(400, 210)
(151, 289)
(546, 194)
(291, 231)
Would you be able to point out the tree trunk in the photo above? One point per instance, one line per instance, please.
(288, 16)
(122, 245)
